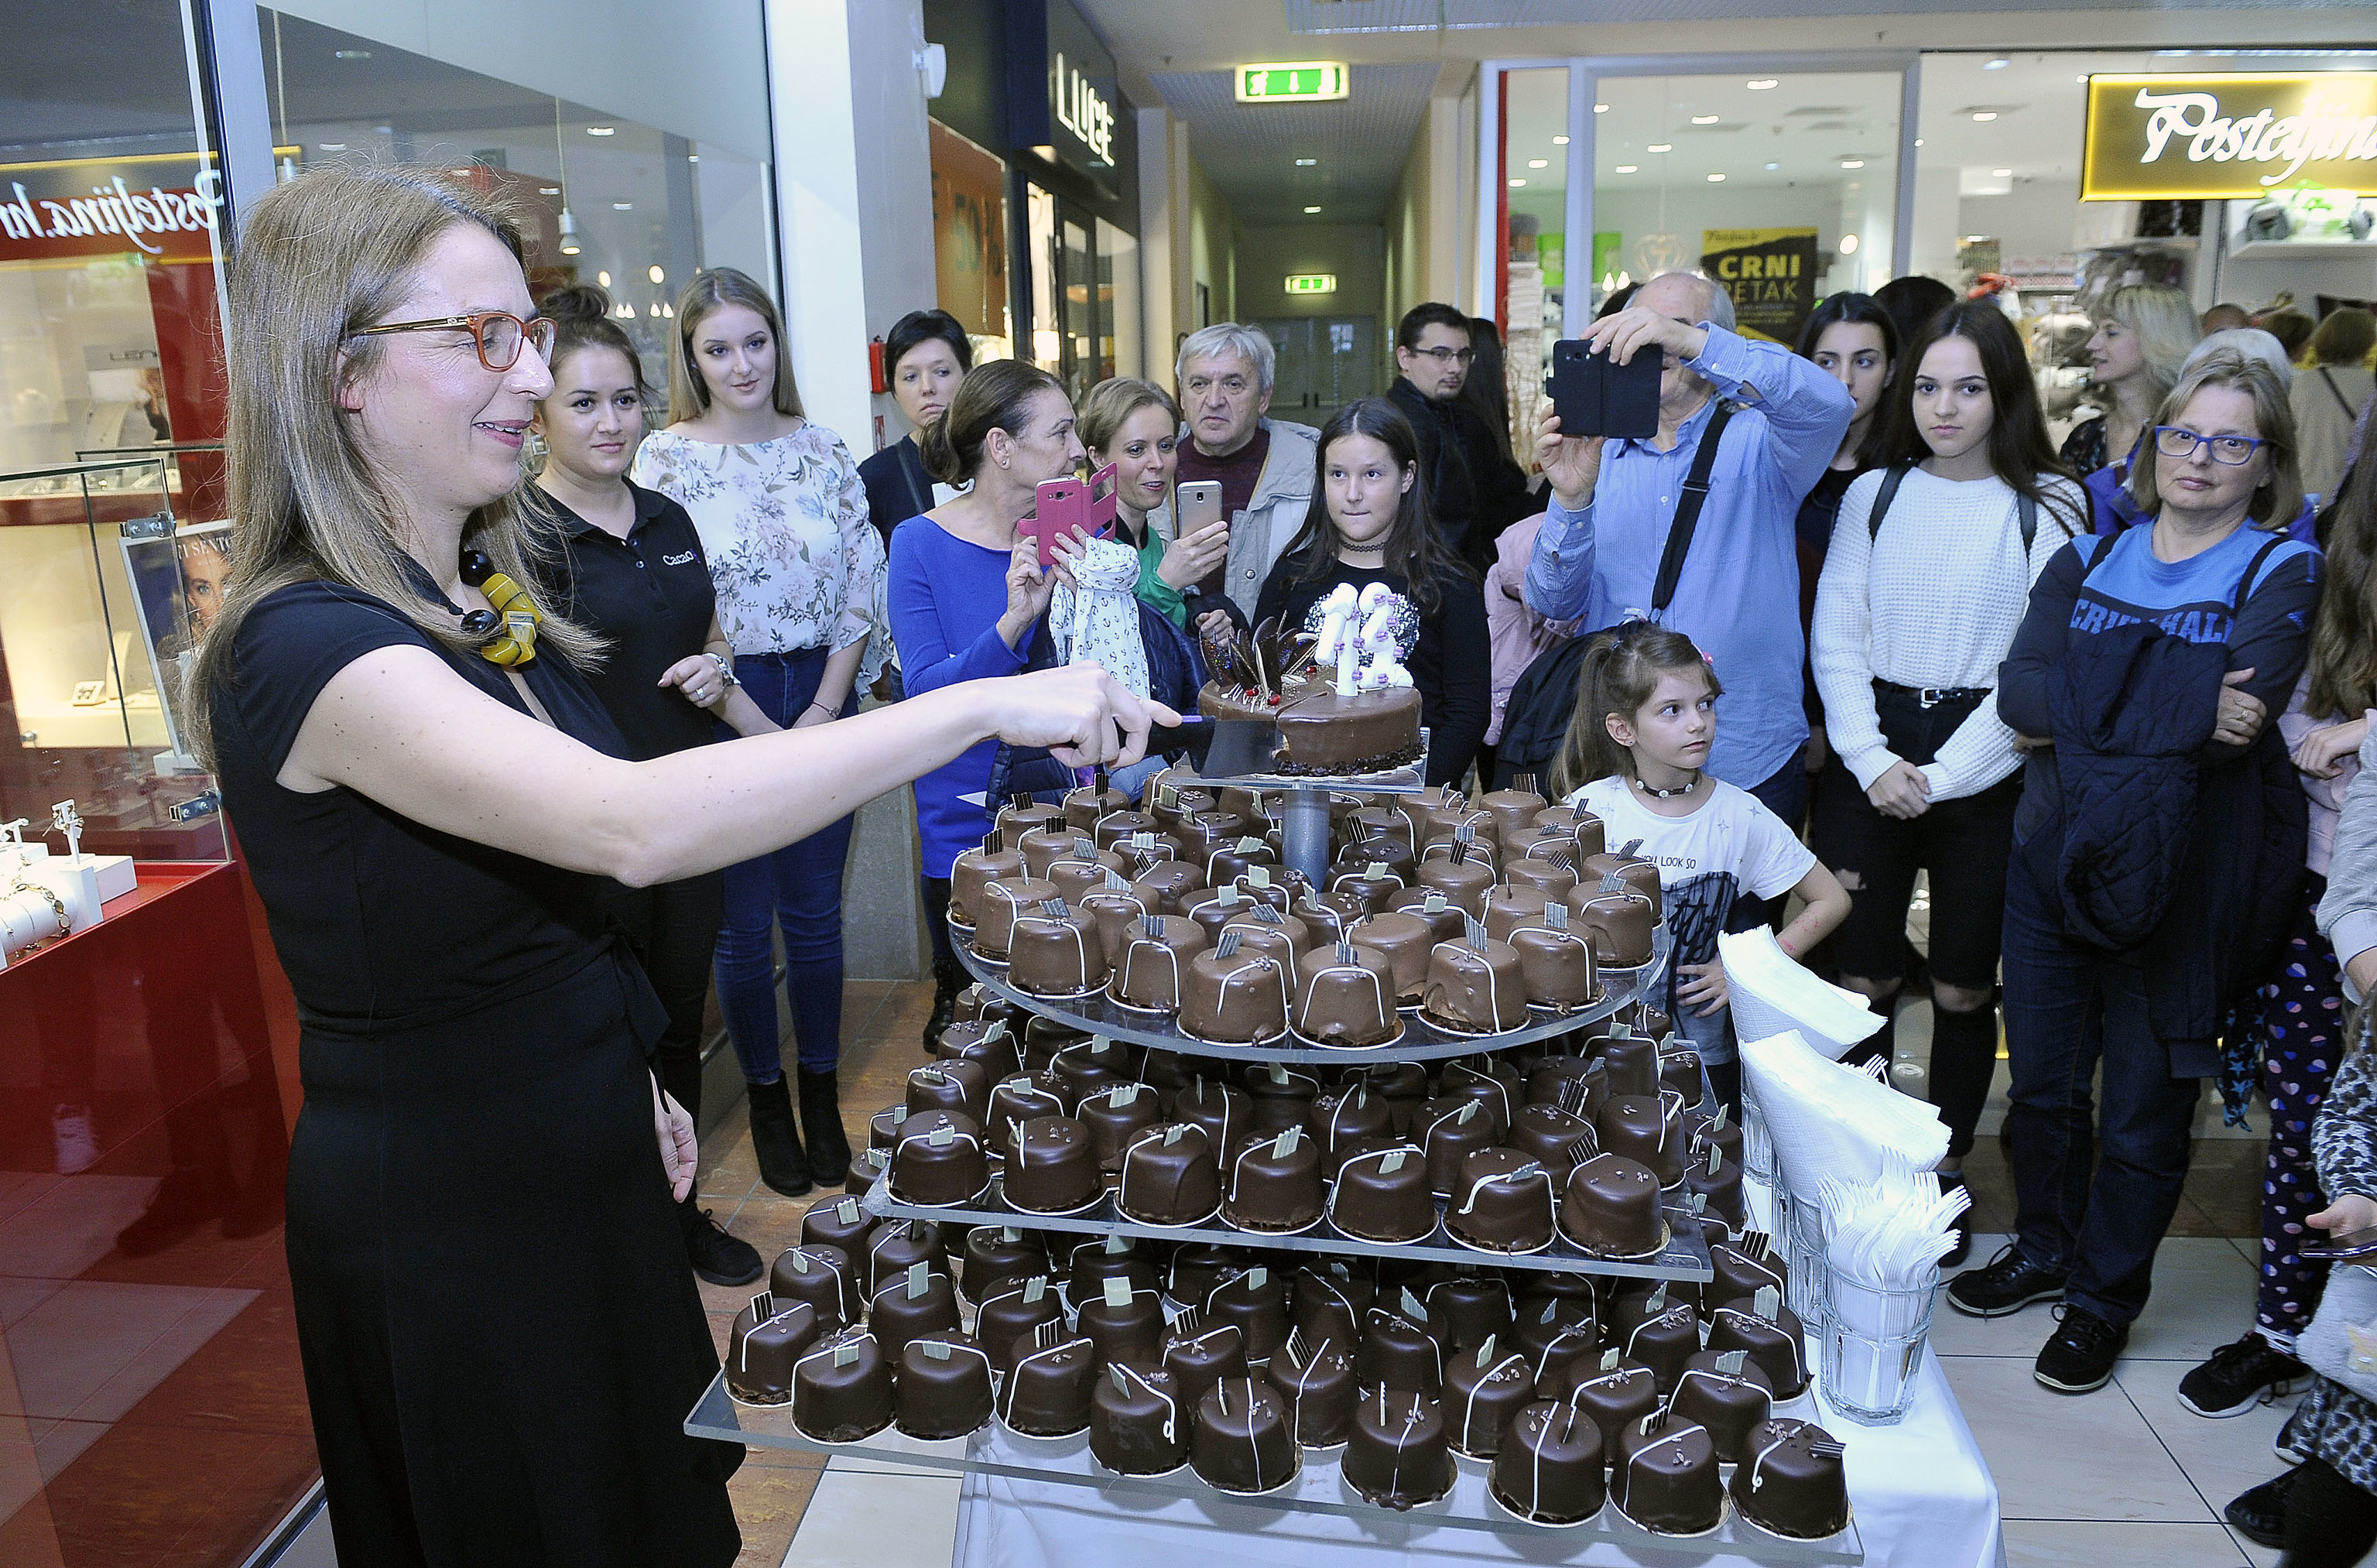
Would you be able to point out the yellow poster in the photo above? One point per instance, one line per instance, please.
(1771, 273)
(2244, 134)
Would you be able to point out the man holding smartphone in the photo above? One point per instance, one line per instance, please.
(1265, 466)
(1614, 503)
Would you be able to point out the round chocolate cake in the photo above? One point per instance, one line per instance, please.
(1474, 991)
(768, 1338)
(1560, 1139)
(1328, 1300)
(1046, 1392)
(1483, 1392)
(1242, 1442)
(1052, 1170)
(1475, 1308)
(1637, 873)
(1404, 940)
(1318, 1383)
(1620, 924)
(1739, 1274)
(842, 1388)
(1320, 731)
(1396, 1455)
(1631, 1063)
(1637, 1127)
(1202, 1357)
(1125, 1324)
(1556, 968)
(1790, 1481)
(1665, 1481)
(1138, 1421)
(1450, 1131)
(904, 1307)
(1000, 904)
(1055, 955)
(1666, 1343)
(1348, 1118)
(1169, 1175)
(1345, 995)
(845, 1225)
(1167, 885)
(990, 1044)
(1222, 1109)
(1550, 1469)
(944, 1387)
(1512, 909)
(1254, 1302)
(1274, 1184)
(1154, 953)
(939, 1159)
(1384, 1195)
(1616, 1394)
(1610, 1208)
(1548, 876)
(1462, 882)
(1777, 1343)
(1502, 1202)
(1011, 1312)
(971, 872)
(1114, 1117)
(1399, 1351)
(825, 1277)
(1725, 1393)
(1238, 1000)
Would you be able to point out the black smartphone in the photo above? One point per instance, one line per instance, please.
(1593, 396)
(2352, 1247)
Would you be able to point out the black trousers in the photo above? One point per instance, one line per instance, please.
(673, 929)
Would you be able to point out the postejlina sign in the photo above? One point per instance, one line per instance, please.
(2243, 135)
(162, 208)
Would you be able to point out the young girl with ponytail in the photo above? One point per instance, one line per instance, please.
(1634, 757)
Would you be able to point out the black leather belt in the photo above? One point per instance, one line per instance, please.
(1932, 696)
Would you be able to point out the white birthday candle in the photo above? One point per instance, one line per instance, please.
(1347, 657)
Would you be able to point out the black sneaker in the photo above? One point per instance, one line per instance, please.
(2240, 1376)
(2007, 1283)
(716, 1256)
(2079, 1358)
(2259, 1512)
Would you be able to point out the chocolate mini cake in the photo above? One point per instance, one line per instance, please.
(1347, 1118)
(1226, 863)
(893, 1249)
(1619, 923)
(1446, 920)
(825, 1277)
(1637, 873)
(1113, 1115)
(1741, 1273)
(1084, 870)
(989, 1044)
(1549, 1470)
(1242, 1442)
(1664, 1342)
(1665, 1481)
(1560, 1139)
(1610, 1208)
(970, 871)
(1125, 1323)
(1405, 941)
(1200, 1356)
(1200, 832)
(1278, 1097)
(842, 1388)
(1718, 1179)
(1378, 822)
(1576, 1084)
(1089, 1264)
(1728, 1395)
(1138, 1421)
(1541, 1322)
(1474, 987)
(1556, 968)
(1772, 1334)
(1042, 847)
(1013, 1311)
(1167, 884)
(1482, 1391)
(1024, 815)
(841, 1223)
(1233, 998)
(1056, 954)
(1117, 829)
(1170, 1175)
(1221, 1109)
(1345, 995)
(939, 1160)
(768, 1338)
(1254, 1302)
(1462, 882)
(1396, 1455)
(1631, 1062)
(1000, 904)
(883, 1128)
(1577, 822)
(1548, 877)
(1052, 1169)
(1366, 888)
(1449, 1131)
(1016, 1100)
(1502, 1202)
(1327, 1300)
(1154, 951)
(1315, 1380)
(944, 1387)
(995, 1254)
(1638, 1128)
(1086, 806)
(1047, 1393)
(1680, 1073)
(1384, 1195)
(905, 1305)
(1475, 1308)
(1401, 1349)
(1791, 1482)
(1512, 909)
(1515, 810)
(1638, 1301)
(1196, 1268)
(1115, 913)
(1274, 1184)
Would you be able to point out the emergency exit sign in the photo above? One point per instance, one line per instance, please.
(1312, 282)
(1302, 81)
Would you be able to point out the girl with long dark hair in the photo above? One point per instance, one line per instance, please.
(1854, 338)
(1929, 570)
(1369, 523)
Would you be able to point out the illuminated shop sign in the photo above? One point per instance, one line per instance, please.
(162, 208)
(2244, 134)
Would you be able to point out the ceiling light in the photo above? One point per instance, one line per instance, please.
(1306, 163)
(602, 131)
(1762, 83)
(1310, 210)
(1918, 141)
(1848, 244)
(1661, 146)
(464, 172)
(1516, 184)
(1559, 141)
(333, 145)
(656, 275)
(1601, 108)
(1705, 119)
(622, 207)
(1999, 64)
(1774, 166)
(1852, 162)
(1985, 115)
(668, 311)
(351, 54)
(693, 157)
(1627, 168)
(604, 279)
(2082, 77)
(2002, 173)
(1717, 179)
(653, 310)
(1539, 162)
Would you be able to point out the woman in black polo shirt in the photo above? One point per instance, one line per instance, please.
(635, 573)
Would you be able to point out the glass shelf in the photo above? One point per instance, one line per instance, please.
(1684, 1257)
(1422, 1041)
(1319, 1488)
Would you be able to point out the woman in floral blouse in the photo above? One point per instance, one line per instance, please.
(798, 570)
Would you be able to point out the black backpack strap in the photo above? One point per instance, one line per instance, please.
(2028, 510)
(2245, 583)
(1688, 508)
(1891, 478)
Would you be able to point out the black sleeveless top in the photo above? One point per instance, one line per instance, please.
(383, 924)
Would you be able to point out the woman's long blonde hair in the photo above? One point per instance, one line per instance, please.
(332, 251)
(2163, 320)
(689, 393)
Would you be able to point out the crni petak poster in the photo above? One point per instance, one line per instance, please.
(1771, 273)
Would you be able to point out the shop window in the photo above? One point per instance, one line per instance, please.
(1532, 291)
(970, 241)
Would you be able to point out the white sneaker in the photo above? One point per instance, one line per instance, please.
(76, 1142)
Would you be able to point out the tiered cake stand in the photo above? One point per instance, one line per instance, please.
(1319, 1488)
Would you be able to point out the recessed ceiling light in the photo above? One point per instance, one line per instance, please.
(1516, 184)
(655, 274)
(548, 190)
(1852, 162)
(1918, 141)
(1762, 83)
(1559, 141)
(1310, 210)
(2082, 77)
(1705, 119)
(1539, 162)
(693, 157)
(1999, 64)
(333, 145)
(1985, 115)
(622, 207)
(1772, 166)
(1848, 244)
(604, 279)
(351, 54)
(1717, 179)
(1661, 146)
(602, 131)
(1306, 163)
(1627, 168)
(1601, 108)
(2002, 173)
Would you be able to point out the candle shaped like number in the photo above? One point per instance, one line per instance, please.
(1348, 657)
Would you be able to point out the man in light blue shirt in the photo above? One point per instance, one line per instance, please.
(1737, 597)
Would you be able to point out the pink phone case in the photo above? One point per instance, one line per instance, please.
(1066, 505)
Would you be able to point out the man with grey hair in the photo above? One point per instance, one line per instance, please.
(1615, 504)
(1264, 465)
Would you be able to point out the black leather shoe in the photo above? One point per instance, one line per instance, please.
(2009, 1283)
(2079, 1358)
(2260, 1512)
(716, 1256)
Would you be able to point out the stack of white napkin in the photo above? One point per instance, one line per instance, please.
(1830, 1121)
(1770, 993)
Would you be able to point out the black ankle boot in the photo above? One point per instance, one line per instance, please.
(782, 1166)
(821, 1120)
(949, 978)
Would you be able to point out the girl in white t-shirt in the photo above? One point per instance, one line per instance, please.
(1645, 718)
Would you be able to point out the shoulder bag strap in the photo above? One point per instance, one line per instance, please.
(1888, 493)
(1688, 508)
(2338, 393)
(2245, 583)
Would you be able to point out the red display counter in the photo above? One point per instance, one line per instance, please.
(151, 1406)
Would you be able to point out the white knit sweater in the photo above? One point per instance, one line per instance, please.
(1935, 601)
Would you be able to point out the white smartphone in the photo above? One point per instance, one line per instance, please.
(1197, 503)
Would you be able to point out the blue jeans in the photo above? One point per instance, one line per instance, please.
(798, 888)
(2067, 1007)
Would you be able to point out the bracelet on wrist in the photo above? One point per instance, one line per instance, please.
(725, 669)
(821, 708)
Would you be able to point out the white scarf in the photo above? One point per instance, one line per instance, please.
(1100, 624)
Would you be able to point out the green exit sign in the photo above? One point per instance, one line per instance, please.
(1300, 82)
(1312, 282)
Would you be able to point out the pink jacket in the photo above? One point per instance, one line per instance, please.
(1514, 634)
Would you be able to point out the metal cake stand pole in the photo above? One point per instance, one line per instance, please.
(1304, 832)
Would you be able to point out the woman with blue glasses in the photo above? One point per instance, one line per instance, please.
(2158, 846)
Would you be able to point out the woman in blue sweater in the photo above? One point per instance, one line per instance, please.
(965, 592)
(2157, 848)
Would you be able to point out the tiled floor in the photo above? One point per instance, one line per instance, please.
(2118, 1477)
